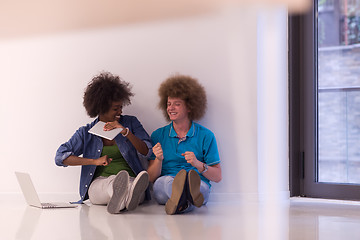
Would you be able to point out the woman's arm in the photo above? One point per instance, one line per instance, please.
(73, 160)
(73, 147)
(139, 144)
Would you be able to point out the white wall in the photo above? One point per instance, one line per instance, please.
(43, 79)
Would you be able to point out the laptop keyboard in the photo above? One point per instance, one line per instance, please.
(48, 205)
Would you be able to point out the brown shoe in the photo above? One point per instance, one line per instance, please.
(194, 194)
(178, 193)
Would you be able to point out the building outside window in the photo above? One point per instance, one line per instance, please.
(338, 39)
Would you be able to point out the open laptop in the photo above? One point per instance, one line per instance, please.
(31, 196)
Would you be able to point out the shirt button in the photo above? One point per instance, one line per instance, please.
(86, 186)
(91, 174)
(99, 150)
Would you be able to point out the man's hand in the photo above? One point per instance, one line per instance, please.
(191, 158)
(157, 150)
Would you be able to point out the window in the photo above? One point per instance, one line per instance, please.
(339, 91)
(324, 76)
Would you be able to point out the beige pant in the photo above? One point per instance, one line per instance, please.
(101, 190)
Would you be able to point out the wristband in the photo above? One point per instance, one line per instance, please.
(127, 132)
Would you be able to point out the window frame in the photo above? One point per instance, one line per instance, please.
(302, 59)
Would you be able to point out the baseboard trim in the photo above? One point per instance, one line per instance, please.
(248, 197)
(323, 200)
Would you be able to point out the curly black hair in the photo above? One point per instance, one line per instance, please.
(102, 91)
(187, 89)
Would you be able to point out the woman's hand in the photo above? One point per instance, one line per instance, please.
(158, 152)
(191, 158)
(103, 161)
(112, 125)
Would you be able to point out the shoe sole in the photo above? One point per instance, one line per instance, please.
(120, 186)
(194, 188)
(177, 190)
(141, 182)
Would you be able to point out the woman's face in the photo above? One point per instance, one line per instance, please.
(177, 110)
(113, 114)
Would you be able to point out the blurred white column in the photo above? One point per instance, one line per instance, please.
(272, 104)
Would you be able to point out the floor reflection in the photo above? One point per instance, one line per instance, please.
(324, 219)
(294, 219)
(29, 222)
(149, 221)
(273, 221)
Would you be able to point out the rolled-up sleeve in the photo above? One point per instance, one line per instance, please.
(72, 147)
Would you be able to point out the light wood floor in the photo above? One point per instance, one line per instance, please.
(297, 218)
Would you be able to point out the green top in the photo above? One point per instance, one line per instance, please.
(117, 164)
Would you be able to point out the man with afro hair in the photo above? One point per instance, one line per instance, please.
(185, 155)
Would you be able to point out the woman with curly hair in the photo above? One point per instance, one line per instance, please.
(111, 171)
(185, 156)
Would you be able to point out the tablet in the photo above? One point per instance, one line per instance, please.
(98, 130)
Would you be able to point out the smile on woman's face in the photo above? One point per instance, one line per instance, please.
(177, 110)
(113, 114)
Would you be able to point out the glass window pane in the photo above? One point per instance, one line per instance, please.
(332, 136)
(338, 36)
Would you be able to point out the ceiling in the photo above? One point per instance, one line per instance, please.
(20, 18)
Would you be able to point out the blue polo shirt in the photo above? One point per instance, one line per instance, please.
(199, 140)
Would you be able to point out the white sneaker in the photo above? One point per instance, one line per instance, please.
(120, 190)
(137, 188)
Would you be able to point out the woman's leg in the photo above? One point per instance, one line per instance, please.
(99, 190)
(111, 191)
(137, 187)
(120, 189)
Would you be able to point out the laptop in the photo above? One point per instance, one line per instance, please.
(31, 196)
(98, 129)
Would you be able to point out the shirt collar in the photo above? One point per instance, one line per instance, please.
(190, 133)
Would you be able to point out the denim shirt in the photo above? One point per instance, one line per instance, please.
(90, 146)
